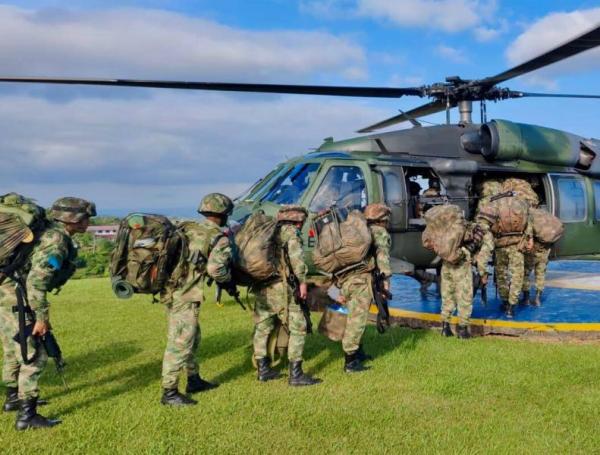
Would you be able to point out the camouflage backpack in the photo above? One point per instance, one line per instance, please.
(254, 259)
(511, 214)
(522, 190)
(150, 253)
(445, 231)
(547, 228)
(340, 245)
(21, 223)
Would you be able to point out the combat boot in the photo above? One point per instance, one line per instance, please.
(463, 332)
(446, 330)
(172, 397)
(196, 384)
(537, 300)
(29, 418)
(362, 355)
(525, 298)
(352, 363)
(265, 372)
(504, 306)
(12, 400)
(299, 377)
(510, 311)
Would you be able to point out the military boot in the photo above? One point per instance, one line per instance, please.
(172, 397)
(12, 400)
(265, 372)
(525, 298)
(537, 301)
(510, 311)
(362, 355)
(196, 384)
(29, 418)
(504, 306)
(353, 364)
(463, 332)
(446, 330)
(299, 377)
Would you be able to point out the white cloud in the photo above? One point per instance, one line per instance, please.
(552, 31)
(452, 54)
(138, 43)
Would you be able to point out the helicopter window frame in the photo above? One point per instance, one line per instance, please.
(399, 204)
(560, 195)
(308, 169)
(261, 185)
(326, 173)
(596, 190)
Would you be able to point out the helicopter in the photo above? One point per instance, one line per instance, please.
(391, 167)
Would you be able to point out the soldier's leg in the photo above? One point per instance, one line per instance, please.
(501, 271)
(182, 330)
(358, 293)
(463, 277)
(264, 324)
(191, 363)
(10, 364)
(541, 265)
(448, 292)
(529, 261)
(297, 327)
(516, 268)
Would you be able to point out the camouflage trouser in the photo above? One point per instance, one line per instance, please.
(15, 372)
(457, 290)
(537, 260)
(484, 255)
(277, 301)
(183, 339)
(358, 292)
(509, 273)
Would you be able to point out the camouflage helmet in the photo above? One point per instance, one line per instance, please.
(292, 213)
(216, 203)
(377, 212)
(72, 209)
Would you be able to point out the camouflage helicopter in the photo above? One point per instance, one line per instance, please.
(387, 167)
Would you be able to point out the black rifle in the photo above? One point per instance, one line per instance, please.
(382, 295)
(231, 289)
(295, 285)
(478, 284)
(48, 340)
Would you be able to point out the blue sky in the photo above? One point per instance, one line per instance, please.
(150, 149)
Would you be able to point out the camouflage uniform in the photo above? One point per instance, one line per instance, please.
(276, 299)
(536, 260)
(484, 255)
(457, 289)
(183, 302)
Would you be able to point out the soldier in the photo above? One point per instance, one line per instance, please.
(49, 266)
(457, 294)
(275, 299)
(434, 188)
(357, 286)
(536, 260)
(488, 189)
(210, 256)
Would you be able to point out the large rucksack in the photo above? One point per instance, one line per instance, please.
(254, 259)
(341, 244)
(512, 215)
(150, 253)
(21, 223)
(445, 231)
(522, 190)
(547, 228)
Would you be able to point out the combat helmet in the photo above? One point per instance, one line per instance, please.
(292, 213)
(72, 209)
(377, 212)
(216, 203)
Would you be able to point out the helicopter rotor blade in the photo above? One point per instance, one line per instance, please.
(421, 111)
(582, 43)
(330, 90)
(514, 94)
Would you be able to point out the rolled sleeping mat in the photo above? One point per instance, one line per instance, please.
(122, 288)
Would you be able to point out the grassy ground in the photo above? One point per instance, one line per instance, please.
(423, 393)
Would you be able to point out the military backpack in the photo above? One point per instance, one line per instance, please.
(522, 190)
(255, 250)
(21, 223)
(511, 215)
(547, 228)
(150, 253)
(445, 231)
(341, 243)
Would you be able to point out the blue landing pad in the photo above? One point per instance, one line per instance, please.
(571, 303)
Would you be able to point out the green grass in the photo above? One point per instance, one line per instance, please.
(423, 393)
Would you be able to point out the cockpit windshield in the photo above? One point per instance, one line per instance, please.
(260, 185)
(289, 187)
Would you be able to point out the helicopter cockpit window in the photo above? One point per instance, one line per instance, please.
(260, 185)
(344, 187)
(290, 187)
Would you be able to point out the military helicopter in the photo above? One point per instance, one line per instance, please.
(388, 167)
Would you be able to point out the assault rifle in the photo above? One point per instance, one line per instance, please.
(295, 285)
(231, 289)
(382, 295)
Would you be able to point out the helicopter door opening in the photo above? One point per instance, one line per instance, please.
(424, 190)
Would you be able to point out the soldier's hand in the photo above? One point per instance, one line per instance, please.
(341, 299)
(303, 291)
(40, 328)
(484, 279)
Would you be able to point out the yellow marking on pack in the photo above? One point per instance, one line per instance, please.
(28, 237)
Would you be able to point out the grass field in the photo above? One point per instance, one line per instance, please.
(423, 393)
